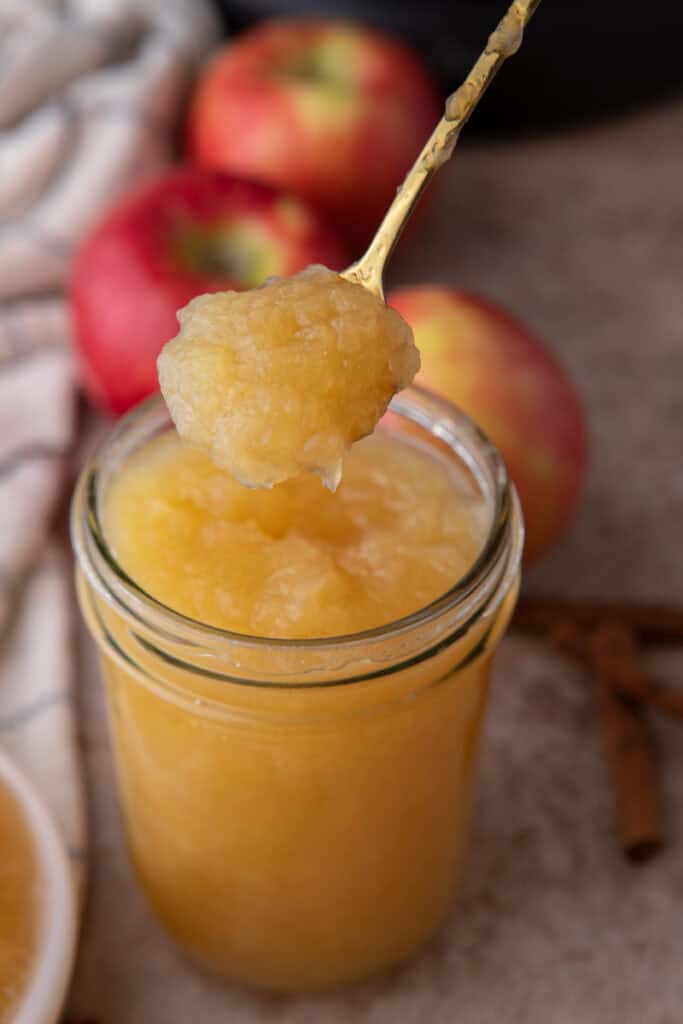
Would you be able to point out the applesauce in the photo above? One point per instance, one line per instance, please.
(19, 903)
(282, 379)
(297, 799)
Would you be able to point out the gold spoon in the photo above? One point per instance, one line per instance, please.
(503, 42)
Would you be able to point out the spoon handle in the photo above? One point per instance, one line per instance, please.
(504, 41)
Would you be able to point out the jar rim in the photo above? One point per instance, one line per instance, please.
(443, 420)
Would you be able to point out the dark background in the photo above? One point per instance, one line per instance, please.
(581, 58)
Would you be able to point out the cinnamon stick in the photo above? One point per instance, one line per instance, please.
(628, 747)
(650, 621)
(606, 636)
(629, 678)
(628, 675)
(668, 699)
(569, 637)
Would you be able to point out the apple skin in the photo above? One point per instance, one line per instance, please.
(186, 232)
(332, 111)
(504, 377)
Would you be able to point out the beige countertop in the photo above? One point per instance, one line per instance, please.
(581, 234)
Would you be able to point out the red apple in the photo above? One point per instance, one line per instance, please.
(503, 376)
(186, 232)
(332, 111)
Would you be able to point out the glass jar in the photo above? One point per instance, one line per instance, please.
(297, 810)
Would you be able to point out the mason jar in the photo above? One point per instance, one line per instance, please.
(297, 811)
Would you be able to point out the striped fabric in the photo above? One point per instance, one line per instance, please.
(89, 93)
(37, 427)
(89, 97)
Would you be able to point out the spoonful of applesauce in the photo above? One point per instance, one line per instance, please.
(284, 378)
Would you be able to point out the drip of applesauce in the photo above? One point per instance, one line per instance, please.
(503, 42)
(18, 904)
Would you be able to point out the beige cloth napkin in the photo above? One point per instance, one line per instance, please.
(90, 92)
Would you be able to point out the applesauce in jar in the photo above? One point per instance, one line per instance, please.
(19, 903)
(296, 683)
